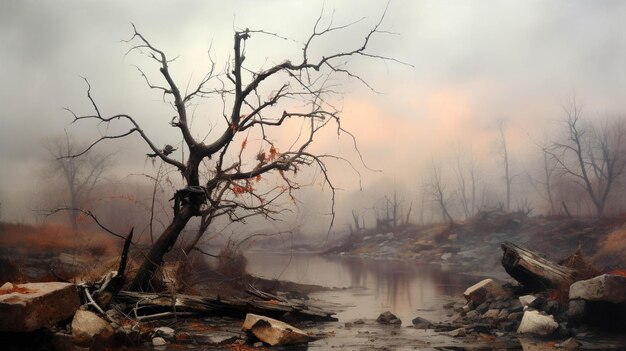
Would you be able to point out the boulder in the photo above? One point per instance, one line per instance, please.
(88, 329)
(421, 323)
(606, 287)
(31, 306)
(388, 318)
(536, 323)
(479, 292)
(273, 332)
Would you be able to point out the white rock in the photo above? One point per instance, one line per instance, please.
(482, 290)
(446, 256)
(158, 341)
(607, 287)
(165, 332)
(527, 300)
(273, 332)
(88, 328)
(536, 323)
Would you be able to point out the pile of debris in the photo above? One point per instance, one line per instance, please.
(65, 316)
(554, 301)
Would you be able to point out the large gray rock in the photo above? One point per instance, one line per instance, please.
(606, 287)
(483, 290)
(31, 306)
(388, 318)
(88, 329)
(273, 332)
(536, 323)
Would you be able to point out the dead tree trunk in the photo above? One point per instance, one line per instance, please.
(154, 258)
(534, 271)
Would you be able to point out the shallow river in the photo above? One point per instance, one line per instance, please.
(375, 286)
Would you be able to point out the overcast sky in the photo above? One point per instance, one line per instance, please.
(474, 63)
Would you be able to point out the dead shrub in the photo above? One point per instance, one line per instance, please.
(612, 250)
(231, 262)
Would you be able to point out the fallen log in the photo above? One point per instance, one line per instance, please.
(215, 305)
(534, 271)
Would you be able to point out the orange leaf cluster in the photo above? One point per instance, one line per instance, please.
(273, 153)
(16, 289)
(621, 272)
(239, 189)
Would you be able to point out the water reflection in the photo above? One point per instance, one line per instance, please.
(405, 288)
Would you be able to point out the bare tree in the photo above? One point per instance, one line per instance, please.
(437, 191)
(508, 178)
(80, 174)
(543, 186)
(466, 182)
(591, 156)
(253, 101)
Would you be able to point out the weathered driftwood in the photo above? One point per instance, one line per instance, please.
(146, 303)
(533, 270)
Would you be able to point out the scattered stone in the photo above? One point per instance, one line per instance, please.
(526, 300)
(607, 287)
(479, 292)
(258, 344)
(458, 333)
(359, 321)
(536, 323)
(503, 315)
(515, 305)
(421, 323)
(274, 332)
(28, 307)
(165, 332)
(482, 308)
(538, 303)
(551, 307)
(576, 310)
(569, 344)
(446, 256)
(158, 341)
(491, 314)
(472, 314)
(515, 316)
(388, 318)
(88, 329)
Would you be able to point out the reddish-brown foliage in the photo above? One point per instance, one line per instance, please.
(16, 289)
(621, 272)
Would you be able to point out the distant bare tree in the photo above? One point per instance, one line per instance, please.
(254, 100)
(80, 174)
(593, 156)
(508, 178)
(465, 171)
(543, 187)
(437, 191)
